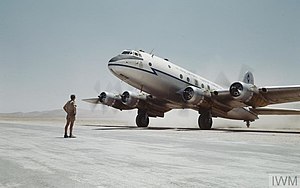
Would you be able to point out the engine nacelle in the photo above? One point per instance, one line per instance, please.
(132, 99)
(194, 95)
(242, 91)
(108, 98)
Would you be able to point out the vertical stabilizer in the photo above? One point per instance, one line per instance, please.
(248, 78)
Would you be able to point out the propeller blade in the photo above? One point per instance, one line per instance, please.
(97, 87)
(92, 100)
(223, 80)
(118, 87)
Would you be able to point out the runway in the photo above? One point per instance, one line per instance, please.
(36, 155)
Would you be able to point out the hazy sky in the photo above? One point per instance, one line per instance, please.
(50, 49)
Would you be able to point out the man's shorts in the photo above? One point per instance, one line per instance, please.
(70, 118)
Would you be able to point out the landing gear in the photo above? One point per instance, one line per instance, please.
(142, 119)
(205, 121)
(247, 124)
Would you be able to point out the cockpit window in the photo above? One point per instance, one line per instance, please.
(128, 52)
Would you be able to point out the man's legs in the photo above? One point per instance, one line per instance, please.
(71, 128)
(66, 129)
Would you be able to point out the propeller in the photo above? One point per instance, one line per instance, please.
(97, 86)
(95, 101)
(114, 88)
(223, 80)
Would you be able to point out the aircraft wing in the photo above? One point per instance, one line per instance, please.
(155, 107)
(115, 103)
(275, 111)
(283, 94)
(260, 97)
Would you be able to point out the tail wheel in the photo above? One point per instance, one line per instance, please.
(247, 124)
(205, 121)
(142, 120)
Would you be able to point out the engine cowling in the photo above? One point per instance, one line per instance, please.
(194, 95)
(132, 99)
(242, 91)
(108, 98)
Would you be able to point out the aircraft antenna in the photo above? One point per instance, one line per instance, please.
(152, 51)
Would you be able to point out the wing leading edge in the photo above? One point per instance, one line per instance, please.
(154, 107)
(275, 111)
(258, 97)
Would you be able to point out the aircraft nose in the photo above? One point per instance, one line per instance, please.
(114, 59)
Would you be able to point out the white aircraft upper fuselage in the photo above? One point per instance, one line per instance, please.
(165, 86)
(155, 75)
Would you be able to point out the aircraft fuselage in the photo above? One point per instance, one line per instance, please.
(162, 78)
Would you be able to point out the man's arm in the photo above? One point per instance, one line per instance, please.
(65, 107)
(74, 108)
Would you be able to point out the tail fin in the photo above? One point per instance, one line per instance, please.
(248, 78)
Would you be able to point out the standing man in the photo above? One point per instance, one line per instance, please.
(70, 109)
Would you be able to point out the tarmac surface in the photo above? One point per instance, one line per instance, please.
(37, 155)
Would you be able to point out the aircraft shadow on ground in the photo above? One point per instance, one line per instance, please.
(122, 127)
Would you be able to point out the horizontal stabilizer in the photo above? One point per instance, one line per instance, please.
(92, 100)
(275, 111)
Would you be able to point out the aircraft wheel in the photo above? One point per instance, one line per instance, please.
(142, 120)
(205, 121)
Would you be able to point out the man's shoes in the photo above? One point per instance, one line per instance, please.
(71, 136)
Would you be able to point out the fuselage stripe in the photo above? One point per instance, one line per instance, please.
(154, 72)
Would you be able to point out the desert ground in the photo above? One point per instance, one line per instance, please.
(110, 153)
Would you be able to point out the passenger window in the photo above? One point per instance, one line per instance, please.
(181, 76)
(202, 85)
(208, 87)
(188, 79)
(196, 82)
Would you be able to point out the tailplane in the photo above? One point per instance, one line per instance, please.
(248, 78)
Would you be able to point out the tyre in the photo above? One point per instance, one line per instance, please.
(205, 121)
(142, 120)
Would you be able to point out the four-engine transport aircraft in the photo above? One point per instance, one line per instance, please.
(165, 86)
